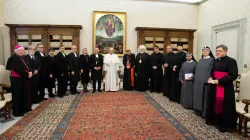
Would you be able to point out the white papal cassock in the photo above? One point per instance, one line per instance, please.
(111, 66)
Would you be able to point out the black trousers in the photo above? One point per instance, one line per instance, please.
(50, 85)
(41, 88)
(34, 89)
(99, 84)
(62, 88)
(73, 86)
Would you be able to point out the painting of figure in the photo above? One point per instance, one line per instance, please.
(109, 31)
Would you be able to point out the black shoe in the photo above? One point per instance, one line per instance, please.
(222, 130)
(19, 115)
(45, 98)
(61, 96)
(99, 90)
(35, 102)
(73, 93)
(93, 91)
(28, 110)
(77, 92)
(85, 91)
(51, 95)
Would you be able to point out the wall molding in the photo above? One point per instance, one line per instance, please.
(240, 26)
(2, 33)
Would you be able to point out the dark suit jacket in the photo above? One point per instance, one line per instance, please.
(50, 69)
(73, 67)
(96, 62)
(33, 64)
(84, 63)
(131, 60)
(61, 67)
(42, 69)
(51, 65)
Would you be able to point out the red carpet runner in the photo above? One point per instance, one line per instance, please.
(113, 115)
(119, 116)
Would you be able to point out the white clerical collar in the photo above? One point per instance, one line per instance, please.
(41, 54)
(96, 55)
(63, 54)
(51, 55)
(32, 56)
(190, 61)
(206, 57)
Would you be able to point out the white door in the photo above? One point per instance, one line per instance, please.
(230, 39)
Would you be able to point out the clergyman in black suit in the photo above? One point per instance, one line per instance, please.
(73, 69)
(50, 72)
(85, 69)
(129, 70)
(42, 71)
(34, 64)
(62, 71)
(96, 63)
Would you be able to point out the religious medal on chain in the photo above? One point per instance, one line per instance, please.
(140, 61)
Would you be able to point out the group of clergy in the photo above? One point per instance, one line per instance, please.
(205, 86)
(32, 73)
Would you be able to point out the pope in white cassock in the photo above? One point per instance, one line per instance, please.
(111, 66)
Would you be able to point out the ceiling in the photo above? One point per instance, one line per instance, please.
(179, 1)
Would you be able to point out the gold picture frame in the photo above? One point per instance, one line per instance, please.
(109, 31)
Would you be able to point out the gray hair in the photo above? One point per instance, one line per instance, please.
(142, 47)
(31, 47)
(224, 47)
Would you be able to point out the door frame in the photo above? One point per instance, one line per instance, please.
(240, 26)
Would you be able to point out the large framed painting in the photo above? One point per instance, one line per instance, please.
(109, 31)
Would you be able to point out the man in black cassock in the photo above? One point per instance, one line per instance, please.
(221, 110)
(42, 71)
(20, 76)
(62, 71)
(74, 70)
(84, 68)
(51, 72)
(142, 65)
(156, 62)
(34, 64)
(129, 70)
(168, 74)
(175, 93)
(96, 63)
